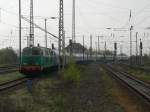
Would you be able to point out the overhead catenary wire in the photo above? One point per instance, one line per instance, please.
(140, 22)
(27, 20)
(138, 13)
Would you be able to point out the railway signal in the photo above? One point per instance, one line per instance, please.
(136, 47)
(105, 47)
(70, 44)
(91, 47)
(83, 48)
(131, 28)
(53, 47)
(115, 51)
(98, 44)
(141, 51)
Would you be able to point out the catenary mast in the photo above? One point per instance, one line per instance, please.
(31, 24)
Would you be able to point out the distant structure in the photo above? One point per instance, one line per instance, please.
(76, 48)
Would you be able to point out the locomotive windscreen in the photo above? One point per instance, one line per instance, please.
(36, 52)
(31, 51)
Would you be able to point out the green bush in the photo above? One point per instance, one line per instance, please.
(71, 73)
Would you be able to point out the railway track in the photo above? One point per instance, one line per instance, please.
(143, 89)
(9, 68)
(13, 83)
(136, 67)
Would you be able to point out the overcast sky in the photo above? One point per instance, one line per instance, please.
(92, 17)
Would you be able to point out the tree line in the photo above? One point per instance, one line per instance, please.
(8, 56)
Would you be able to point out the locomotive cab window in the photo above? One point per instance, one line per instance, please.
(32, 51)
(36, 52)
(46, 52)
(27, 52)
(41, 53)
(52, 53)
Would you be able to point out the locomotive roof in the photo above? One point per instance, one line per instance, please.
(38, 48)
(42, 48)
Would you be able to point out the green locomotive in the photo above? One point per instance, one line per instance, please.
(37, 59)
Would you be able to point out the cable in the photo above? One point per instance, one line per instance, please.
(139, 12)
(27, 20)
(142, 21)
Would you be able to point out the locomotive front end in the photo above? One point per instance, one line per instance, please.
(31, 60)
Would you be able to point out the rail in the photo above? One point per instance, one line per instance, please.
(140, 87)
(13, 83)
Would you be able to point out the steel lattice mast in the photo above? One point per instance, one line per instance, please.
(73, 23)
(31, 24)
(20, 34)
(61, 29)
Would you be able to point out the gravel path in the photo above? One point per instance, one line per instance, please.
(91, 96)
